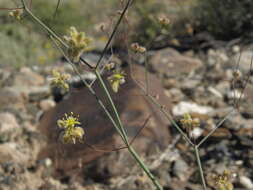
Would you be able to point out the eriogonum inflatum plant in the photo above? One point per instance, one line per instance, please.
(164, 21)
(17, 13)
(223, 181)
(60, 80)
(135, 47)
(117, 79)
(77, 42)
(188, 123)
(71, 133)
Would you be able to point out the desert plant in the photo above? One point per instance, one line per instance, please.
(76, 42)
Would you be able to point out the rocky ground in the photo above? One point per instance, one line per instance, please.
(32, 157)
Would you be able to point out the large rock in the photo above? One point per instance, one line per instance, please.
(133, 108)
(26, 77)
(170, 62)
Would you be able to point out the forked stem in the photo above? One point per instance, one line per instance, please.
(117, 124)
(122, 129)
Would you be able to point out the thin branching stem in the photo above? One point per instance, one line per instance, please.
(246, 83)
(165, 113)
(146, 74)
(117, 124)
(57, 6)
(159, 106)
(217, 126)
(129, 147)
(49, 30)
(145, 168)
(113, 33)
(203, 181)
(103, 86)
(89, 88)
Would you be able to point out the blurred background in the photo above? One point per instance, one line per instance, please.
(193, 22)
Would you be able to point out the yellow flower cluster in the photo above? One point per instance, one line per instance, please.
(60, 80)
(16, 13)
(164, 21)
(117, 79)
(137, 48)
(189, 124)
(77, 42)
(223, 181)
(71, 132)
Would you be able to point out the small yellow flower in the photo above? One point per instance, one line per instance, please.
(16, 13)
(77, 42)
(71, 132)
(59, 80)
(137, 48)
(223, 181)
(189, 124)
(117, 79)
(164, 21)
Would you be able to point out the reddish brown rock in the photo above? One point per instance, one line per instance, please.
(134, 109)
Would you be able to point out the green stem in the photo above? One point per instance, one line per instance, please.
(214, 129)
(121, 128)
(146, 73)
(196, 150)
(50, 31)
(145, 169)
(88, 86)
(113, 33)
(167, 115)
(130, 149)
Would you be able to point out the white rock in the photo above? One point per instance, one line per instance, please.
(235, 94)
(196, 132)
(188, 107)
(246, 182)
